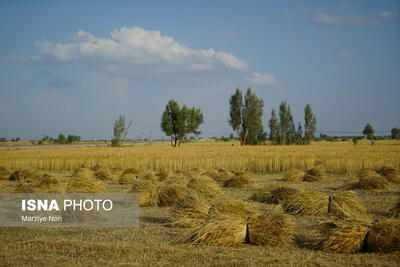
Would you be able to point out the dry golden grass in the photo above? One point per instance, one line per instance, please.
(336, 157)
(272, 229)
(163, 174)
(307, 203)
(384, 236)
(127, 179)
(347, 205)
(370, 183)
(147, 192)
(295, 175)
(390, 174)
(344, 237)
(84, 184)
(170, 194)
(25, 176)
(206, 186)
(229, 207)
(315, 174)
(395, 211)
(365, 172)
(239, 180)
(103, 174)
(4, 173)
(216, 232)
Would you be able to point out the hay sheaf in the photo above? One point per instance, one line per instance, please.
(206, 186)
(84, 184)
(347, 205)
(189, 211)
(234, 208)
(344, 237)
(83, 173)
(133, 171)
(395, 211)
(369, 183)
(315, 174)
(239, 180)
(127, 179)
(97, 167)
(4, 173)
(163, 174)
(307, 203)
(384, 236)
(275, 195)
(220, 175)
(171, 194)
(26, 176)
(147, 192)
(272, 229)
(149, 176)
(215, 232)
(365, 172)
(103, 174)
(295, 175)
(45, 184)
(390, 174)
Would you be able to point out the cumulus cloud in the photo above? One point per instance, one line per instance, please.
(356, 20)
(261, 79)
(137, 47)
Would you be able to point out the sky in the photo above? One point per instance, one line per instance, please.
(75, 66)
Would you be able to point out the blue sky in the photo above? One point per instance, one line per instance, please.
(74, 66)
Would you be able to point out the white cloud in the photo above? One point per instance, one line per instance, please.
(136, 47)
(356, 20)
(261, 79)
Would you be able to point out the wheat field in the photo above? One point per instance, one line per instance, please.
(340, 157)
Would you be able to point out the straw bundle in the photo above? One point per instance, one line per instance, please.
(84, 184)
(239, 180)
(206, 186)
(133, 171)
(295, 175)
(4, 173)
(149, 176)
(306, 203)
(395, 211)
(127, 179)
(347, 205)
(317, 173)
(163, 174)
(233, 208)
(103, 174)
(275, 195)
(390, 174)
(344, 237)
(369, 183)
(147, 192)
(384, 236)
(170, 194)
(367, 173)
(26, 176)
(272, 229)
(218, 232)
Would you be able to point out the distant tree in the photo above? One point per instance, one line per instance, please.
(369, 131)
(235, 112)
(299, 134)
(273, 128)
(310, 124)
(3, 139)
(246, 116)
(119, 130)
(287, 131)
(73, 138)
(61, 139)
(178, 122)
(395, 133)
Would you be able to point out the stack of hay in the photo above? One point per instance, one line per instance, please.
(83, 181)
(25, 176)
(44, 184)
(4, 173)
(317, 173)
(358, 236)
(240, 179)
(390, 174)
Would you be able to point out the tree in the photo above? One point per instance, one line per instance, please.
(61, 139)
(246, 116)
(235, 112)
(273, 128)
(178, 122)
(287, 131)
(395, 133)
(119, 130)
(299, 134)
(369, 131)
(73, 138)
(310, 124)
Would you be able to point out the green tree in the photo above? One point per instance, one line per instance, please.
(369, 131)
(61, 139)
(178, 122)
(119, 130)
(245, 116)
(273, 128)
(299, 134)
(235, 112)
(287, 131)
(310, 124)
(73, 138)
(395, 133)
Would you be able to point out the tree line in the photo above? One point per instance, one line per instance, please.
(246, 119)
